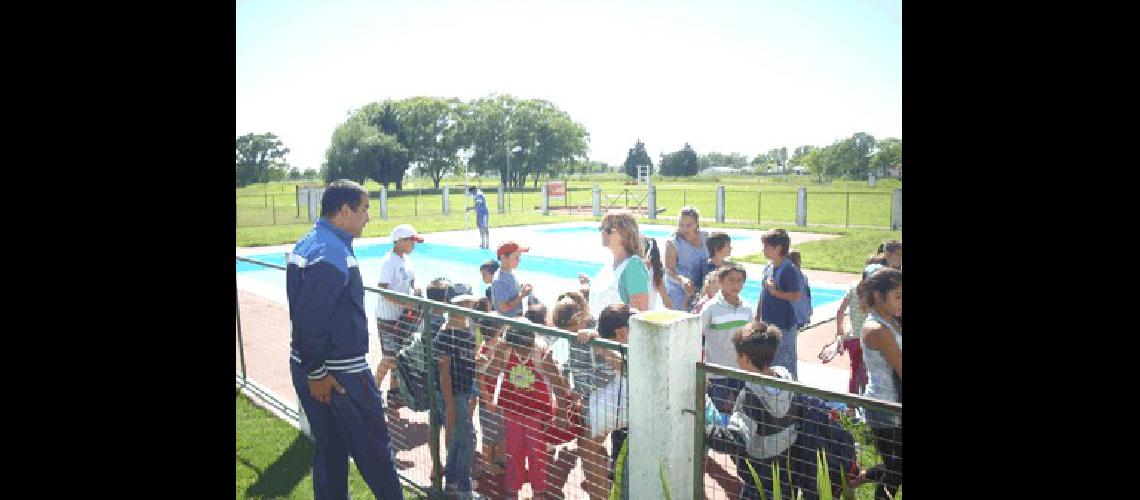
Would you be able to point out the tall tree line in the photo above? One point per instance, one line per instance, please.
(381, 140)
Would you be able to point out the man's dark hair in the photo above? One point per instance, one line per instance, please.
(717, 241)
(470, 189)
(339, 193)
(777, 237)
(758, 342)
(612, 317)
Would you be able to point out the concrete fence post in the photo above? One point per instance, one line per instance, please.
(664, 347)
(383, 202)
(720, 203)
(545, 201)
(501, 205)
(896, 209)
(801, 207)
(446, 201)
(652, 209)
(597, 201)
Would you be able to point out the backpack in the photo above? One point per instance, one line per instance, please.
(819, 431)
(411, 374)
(802, 307)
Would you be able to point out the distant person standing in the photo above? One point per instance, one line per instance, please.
(482, 216)
(329, 342)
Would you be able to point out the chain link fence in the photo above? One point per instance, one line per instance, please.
(534, 407)
(792, 440)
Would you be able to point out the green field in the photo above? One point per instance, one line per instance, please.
(274, 460)
(268, 214)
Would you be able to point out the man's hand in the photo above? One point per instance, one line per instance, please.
(583, 279)
(526, 289)
(770, 283)
(585, 335)
(321, 389)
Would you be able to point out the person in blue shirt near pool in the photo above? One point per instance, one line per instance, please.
(482, 216)
(329, 341)
(780, 289)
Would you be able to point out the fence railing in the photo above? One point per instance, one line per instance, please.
(754, 436)
(742, 204)
(504, 407)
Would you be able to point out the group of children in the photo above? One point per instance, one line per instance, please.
(528, 402)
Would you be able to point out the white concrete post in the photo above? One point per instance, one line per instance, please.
(664, 347)
(545, 201)
(446, 201)
(315, 203)
(383, 202)
(801, 207)
(871, 179)
(720, 203)
(501, 207)
(896, 210)
(597, 201)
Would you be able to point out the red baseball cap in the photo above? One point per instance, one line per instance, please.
(510, 247)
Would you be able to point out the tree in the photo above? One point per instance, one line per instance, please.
(636, 156)
(256, 154)
(683, 162)
(889, 154)
(357, 149)
(798, 155)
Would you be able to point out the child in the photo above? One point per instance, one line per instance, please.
(881, 340)
(780, 289)
(802, 307)
(528, 406)
(720, 247)
(571, 313)
(721, 317)
(760, 429)
(487, 271)
(493, 456)
(849, 341)
(609, 408)
(507, 295)
(708, 290)
(454, 346)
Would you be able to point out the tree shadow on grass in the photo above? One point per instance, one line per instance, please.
(285, 473)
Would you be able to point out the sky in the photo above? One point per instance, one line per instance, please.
(726, 76)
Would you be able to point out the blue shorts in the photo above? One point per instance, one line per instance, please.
(482, 220)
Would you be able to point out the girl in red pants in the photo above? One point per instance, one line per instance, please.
(528, 407)
(850, 341)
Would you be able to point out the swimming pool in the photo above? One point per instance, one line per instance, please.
(550, 276)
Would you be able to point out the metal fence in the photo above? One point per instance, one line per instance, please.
(742, 205)
(564, 431)
(773, 432)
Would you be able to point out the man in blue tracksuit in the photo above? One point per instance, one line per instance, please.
(329, 341)
(482, 216)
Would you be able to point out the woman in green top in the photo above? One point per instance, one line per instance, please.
(626, 279)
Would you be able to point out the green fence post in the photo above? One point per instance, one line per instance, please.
(757, 208)
(847, 212)
(427, 336)
(241, 343)
(416, 203)
(699, 436)
(684, 198)
(274, 208)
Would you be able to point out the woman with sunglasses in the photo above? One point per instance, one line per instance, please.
(685, 252)
(625, 280)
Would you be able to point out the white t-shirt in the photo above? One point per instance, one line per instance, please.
(395, 271)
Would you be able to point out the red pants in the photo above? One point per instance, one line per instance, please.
(524, 442)
(858, 380)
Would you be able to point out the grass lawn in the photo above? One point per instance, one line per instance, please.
(274, 460)
(268, 215)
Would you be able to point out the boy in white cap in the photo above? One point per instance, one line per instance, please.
(396, 275)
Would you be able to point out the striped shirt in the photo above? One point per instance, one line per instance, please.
(719, 320)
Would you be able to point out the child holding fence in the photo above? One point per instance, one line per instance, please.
(761, 429)
(528, 406)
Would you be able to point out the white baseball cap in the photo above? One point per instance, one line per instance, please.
(405, 231)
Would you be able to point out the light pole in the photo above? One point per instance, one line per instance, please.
(509, 151)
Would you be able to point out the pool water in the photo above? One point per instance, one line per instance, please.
(550, 276)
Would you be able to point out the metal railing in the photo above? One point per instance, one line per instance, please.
(797, 467)
(263, 357)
